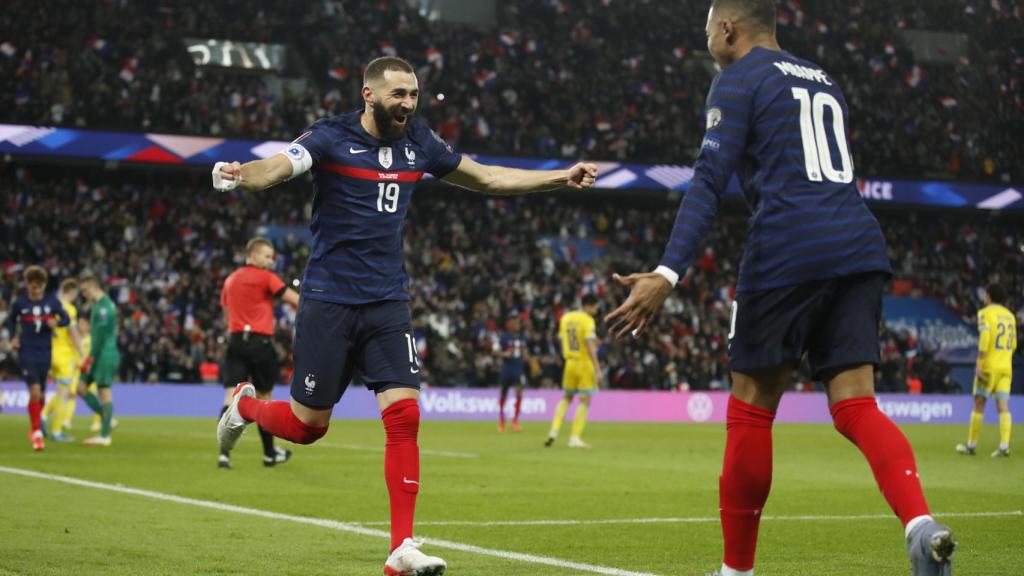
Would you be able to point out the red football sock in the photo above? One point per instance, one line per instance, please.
(402, 465)
(745, 481)
(519, 407)
(276, 417)
(35, 410)
(887, 451)
(501, 405)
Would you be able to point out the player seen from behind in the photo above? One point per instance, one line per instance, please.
(810, 282)
(997, 341)
(582, 371)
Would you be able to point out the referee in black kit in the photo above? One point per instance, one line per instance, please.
(248, 300)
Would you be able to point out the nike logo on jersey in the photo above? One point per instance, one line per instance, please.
(355, 151)
(407, 481)
(414, 370)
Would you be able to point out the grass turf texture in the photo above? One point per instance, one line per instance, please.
(634, 471)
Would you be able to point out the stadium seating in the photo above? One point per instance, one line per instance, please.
(554, 78)
(471, 260)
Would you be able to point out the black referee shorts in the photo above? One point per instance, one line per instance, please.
(251, 357)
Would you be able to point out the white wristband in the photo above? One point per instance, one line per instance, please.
(299, 157)
(219, 183)
(669, 274)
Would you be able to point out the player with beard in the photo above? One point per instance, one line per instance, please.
(354, 319)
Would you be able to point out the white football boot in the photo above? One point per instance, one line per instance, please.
(231, 425)
(407, 560)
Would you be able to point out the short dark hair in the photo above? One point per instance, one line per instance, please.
(375, 69)
(761, 13)
(996, 293)
(589, 300)
(36, 274)
(68, 285)
(257, 241)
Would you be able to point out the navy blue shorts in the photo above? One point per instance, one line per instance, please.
(34, 371)
(512, 377)
(834, 321)
(335, 343)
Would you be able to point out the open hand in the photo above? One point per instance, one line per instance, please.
(648, 293)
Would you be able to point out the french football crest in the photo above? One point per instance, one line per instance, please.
(384, 157)
(410, 155)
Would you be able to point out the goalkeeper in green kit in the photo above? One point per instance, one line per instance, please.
(101, 365)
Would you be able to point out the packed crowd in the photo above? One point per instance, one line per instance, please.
(164, 243)
(553, 78)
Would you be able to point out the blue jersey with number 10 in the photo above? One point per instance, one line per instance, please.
(780, 124)
(362, 189)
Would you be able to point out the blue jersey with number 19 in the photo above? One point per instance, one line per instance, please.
(362, 189)
(780, 124)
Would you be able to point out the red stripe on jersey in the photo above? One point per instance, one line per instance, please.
(376, 175)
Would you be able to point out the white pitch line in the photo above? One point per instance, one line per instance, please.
(330, 524)
(328, 444)
(691, 520)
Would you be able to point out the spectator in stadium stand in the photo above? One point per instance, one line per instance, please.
(248, 300)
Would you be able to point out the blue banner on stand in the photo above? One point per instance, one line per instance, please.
(934, 326)
(202, 151)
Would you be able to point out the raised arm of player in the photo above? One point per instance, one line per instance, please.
(502, 181)
(728, 119)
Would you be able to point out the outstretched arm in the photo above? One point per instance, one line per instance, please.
(502, 181)
(252, 176)
(717, 161)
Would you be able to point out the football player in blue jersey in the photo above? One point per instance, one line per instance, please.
(511, 348)
(34, 316)
(810, 282)
(354, 318)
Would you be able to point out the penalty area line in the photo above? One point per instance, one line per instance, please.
(351, 528)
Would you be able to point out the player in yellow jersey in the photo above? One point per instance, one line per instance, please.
(64, 364)
(582, 372)
(997, 341)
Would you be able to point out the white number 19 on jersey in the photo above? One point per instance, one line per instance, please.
(817, 156)
(387, 197)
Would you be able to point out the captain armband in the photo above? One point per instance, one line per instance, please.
(299, 157)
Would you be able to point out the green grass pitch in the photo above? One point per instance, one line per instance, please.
(471, 475)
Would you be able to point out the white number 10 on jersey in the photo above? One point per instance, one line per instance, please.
(387, 197)
(817, 156)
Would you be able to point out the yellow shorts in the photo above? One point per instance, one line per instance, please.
(64, 367)
(579, 377)
(993, 383)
